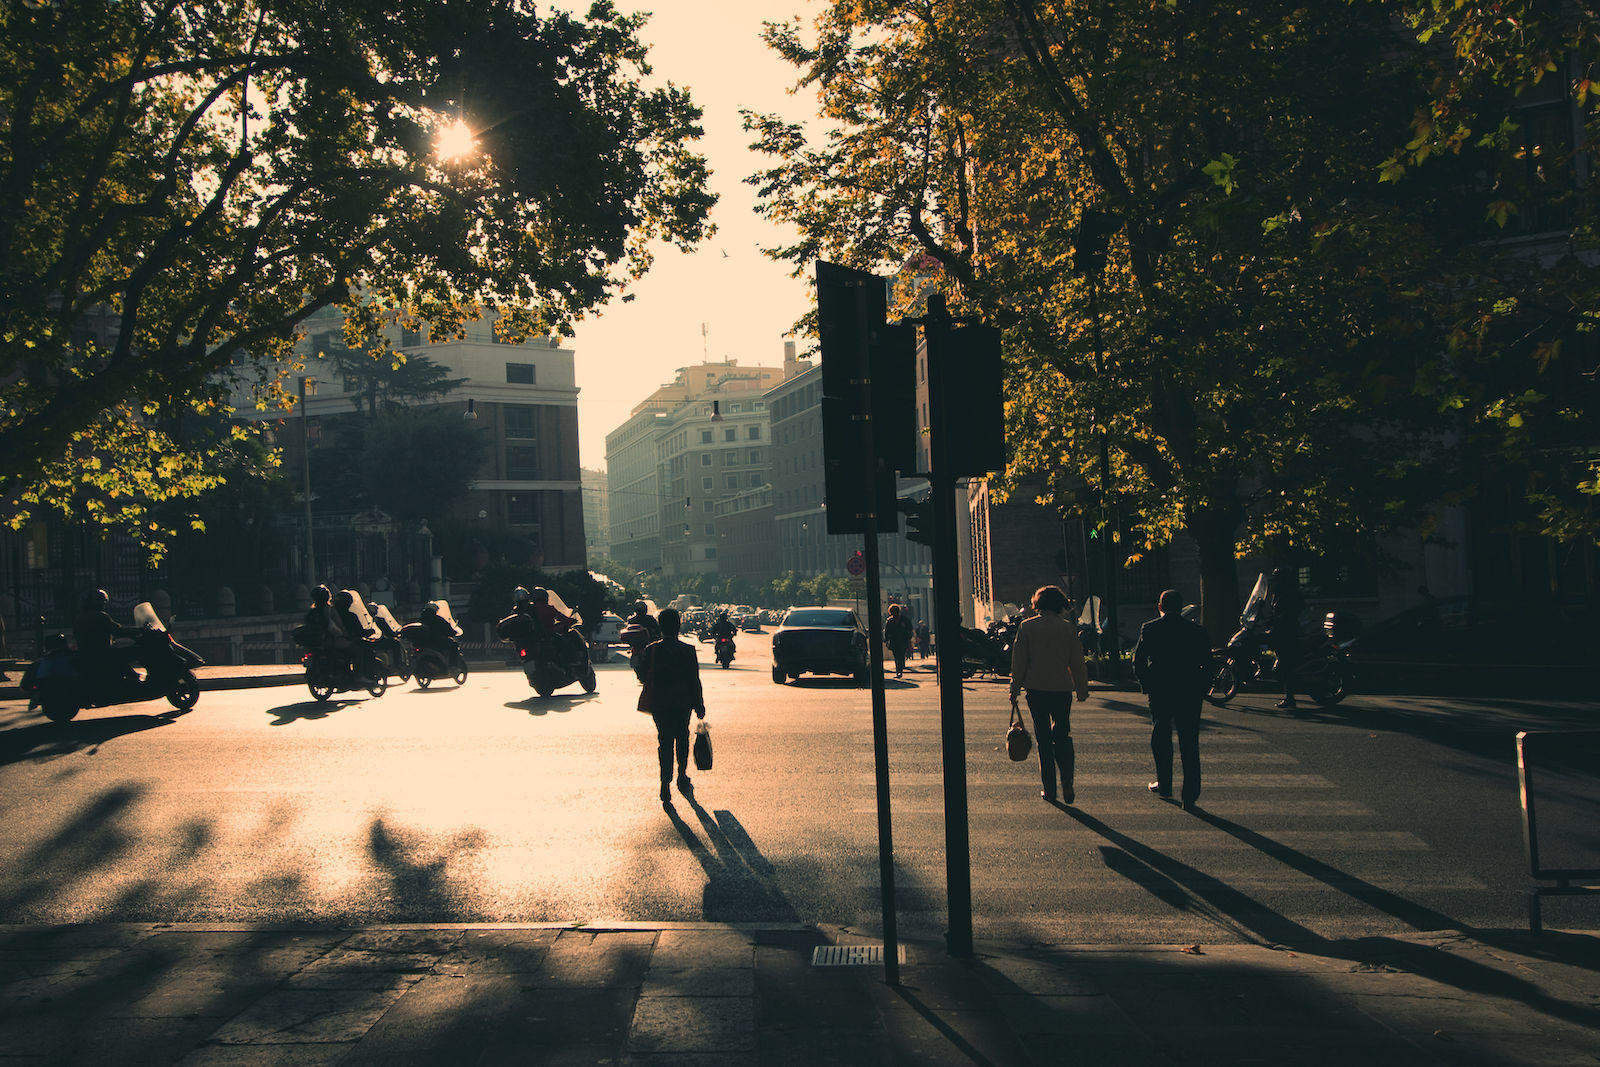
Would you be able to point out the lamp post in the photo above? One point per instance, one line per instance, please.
(1094, 233)
(305, 483)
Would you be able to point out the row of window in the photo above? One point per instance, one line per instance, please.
(730, 458)
(731, 481)
(731, 433)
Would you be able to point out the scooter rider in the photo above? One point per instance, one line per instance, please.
(355, 631)
(1283, 633)
(440, 633)
(94, 630)
(558, 624)
(723, 627)
(641, 617)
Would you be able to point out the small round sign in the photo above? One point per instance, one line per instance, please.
(856, 565)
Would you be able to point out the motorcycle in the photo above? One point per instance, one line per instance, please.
(987, 651)
(343, 670)
(1324, 669)
(724, 651)
(550, 660)
(390, 646)
(61, 684)
(430, 657)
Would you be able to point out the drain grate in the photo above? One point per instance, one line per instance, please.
(851, 955)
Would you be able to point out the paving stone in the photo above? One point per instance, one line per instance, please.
(584, 959)
(292, 1016)
(699, 982)
(494, 1019)
(693, 1024)
(323, 1055)
(693, 948)
(497, 952)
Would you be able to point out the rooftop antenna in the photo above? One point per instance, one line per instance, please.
(705, 343)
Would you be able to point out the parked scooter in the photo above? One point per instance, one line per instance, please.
(344, 663)
(61, 684)
(434, 651)
(986, 651)
(724, 651)
(550, 660)
(1324, 670)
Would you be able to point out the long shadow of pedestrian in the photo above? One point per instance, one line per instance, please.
(740, 885)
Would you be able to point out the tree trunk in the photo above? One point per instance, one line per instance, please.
(1219, 573)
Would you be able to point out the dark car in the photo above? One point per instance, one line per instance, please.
(819, 641)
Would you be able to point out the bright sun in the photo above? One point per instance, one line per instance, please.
(455, 141)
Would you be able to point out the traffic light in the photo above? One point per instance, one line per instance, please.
(967, 370)
(919, 520)
(863, 357)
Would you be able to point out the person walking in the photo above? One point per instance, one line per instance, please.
(923, 640)
(1047, 664)
(1173, 664)
(1283, 630)
(897, 635)
(670, 671)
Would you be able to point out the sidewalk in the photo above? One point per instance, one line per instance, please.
(722, 995)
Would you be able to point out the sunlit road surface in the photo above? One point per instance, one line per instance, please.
(488, 804)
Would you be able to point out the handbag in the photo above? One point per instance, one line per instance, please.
(1018, 741)
(702, 747)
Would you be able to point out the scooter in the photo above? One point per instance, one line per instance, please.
(1324, 670)
(345, 670)
(724, 651)
(549, 660)
(985, 651)
(390, 646)
(430, 657)
(60, 685)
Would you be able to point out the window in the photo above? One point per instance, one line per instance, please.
(730, 434)
(522, 509)
(711, 552)
(711, 529)
(522, 461)
(755, 480)
(520, 373)
(705, 459)
(708, 507)
(409, 338)
(708, 483)
(755, 433)
(519, 422)
(732, 481)
(705, 437)
(755, 455)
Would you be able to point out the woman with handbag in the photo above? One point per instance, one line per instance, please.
(1047, 664)
(670, 669)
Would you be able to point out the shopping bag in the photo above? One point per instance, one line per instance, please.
(1018, 741)
(702, 747)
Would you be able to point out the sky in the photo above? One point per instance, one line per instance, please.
(745, 302)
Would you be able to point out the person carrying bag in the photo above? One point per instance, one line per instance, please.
(670, 670)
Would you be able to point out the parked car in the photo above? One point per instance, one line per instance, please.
(819, 641)
(607, 632)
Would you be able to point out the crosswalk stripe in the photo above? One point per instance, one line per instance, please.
(1094, 778)
(1142, 804)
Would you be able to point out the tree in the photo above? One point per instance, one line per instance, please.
(182, 185)
(1519, 302)
(392, 380)
(1198, 272)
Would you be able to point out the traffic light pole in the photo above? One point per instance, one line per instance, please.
(947, 621)
(880, 713)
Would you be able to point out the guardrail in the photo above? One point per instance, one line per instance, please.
(1558, 772)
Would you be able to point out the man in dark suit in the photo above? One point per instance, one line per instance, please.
(1173, 663)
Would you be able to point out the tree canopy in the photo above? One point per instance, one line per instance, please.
(181, 185)
(1181, 229)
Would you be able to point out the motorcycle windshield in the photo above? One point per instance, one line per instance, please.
(444, 613)
(1256, 605)
(145, 615)
(386, 620)
(561, 606)
(358, 608)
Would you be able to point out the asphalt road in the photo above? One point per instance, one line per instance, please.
(486, 803)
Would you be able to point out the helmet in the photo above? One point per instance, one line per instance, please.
(541, 595)
(641, 608)
(431, 608)
(95, 599)
(321, 595)
(343, 599)
(519, 595)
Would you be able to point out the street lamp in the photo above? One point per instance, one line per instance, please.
(1095, 228)
(305, 480)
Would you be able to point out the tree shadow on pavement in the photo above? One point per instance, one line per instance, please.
(741, 884)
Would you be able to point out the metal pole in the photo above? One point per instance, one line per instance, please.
(1106, 538)
(880, 714)
(947, 619)
(305, 483)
